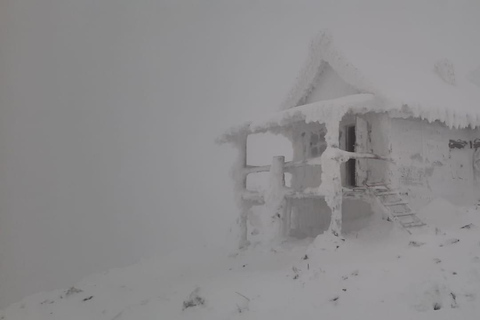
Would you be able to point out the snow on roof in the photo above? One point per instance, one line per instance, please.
(323, 51)
(320, 111)
(412, 81)
(333, 110)
(426, 67)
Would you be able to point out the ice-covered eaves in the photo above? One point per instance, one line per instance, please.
(321, 112)
(405, 90)
(396, 87)
(452, 118)
(333, 110)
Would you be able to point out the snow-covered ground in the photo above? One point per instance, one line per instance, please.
(378, 272)
(109, 109)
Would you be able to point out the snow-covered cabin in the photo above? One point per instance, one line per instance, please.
(367, 136)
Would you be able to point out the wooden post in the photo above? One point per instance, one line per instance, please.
(361, 134)
(331, 184)
(275, 202)
(277, 176)
(240, 185)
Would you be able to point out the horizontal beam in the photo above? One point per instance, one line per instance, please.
(337, 153)
(288, 165)
(357, 155)
(256, 169)
(303, 195)
(296, 164)
(318, 111)
(257, 197)
(307, 193)
(253, 196)
(342, 155)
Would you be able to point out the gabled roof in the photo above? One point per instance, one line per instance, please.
(405, 82)
(392, 66)
(321, 52)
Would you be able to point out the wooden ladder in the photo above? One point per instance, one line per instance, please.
(397, 209)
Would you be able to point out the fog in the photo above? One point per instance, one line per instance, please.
(108, 114)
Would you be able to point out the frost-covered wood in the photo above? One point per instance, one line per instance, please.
(331, 177)
(253, 197)
(361, 133)
(288, 165)
(330, 97)
(240, 185)
(321, 112)
(275, 201)
(342, 155)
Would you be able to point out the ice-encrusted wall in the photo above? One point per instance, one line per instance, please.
(426, 166)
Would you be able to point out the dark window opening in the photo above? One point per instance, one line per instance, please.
(351, 164)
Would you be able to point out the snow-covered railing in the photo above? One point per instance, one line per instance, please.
(340, 154)
(275, 196)
(287, 165)
(257, 198)
(305, 195)
(256, 169)
(344, 156)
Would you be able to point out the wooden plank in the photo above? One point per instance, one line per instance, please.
(302, 195)
(256, 169)
(253, 196)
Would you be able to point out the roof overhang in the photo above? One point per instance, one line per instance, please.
(320, 112)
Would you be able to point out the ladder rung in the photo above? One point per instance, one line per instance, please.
(376, 184)
(418, 225)
(415, 225)
(399, 215)
(395, 204)
(412, 224)
(404, 214)
(381, 194)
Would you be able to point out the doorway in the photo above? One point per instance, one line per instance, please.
(350, 165)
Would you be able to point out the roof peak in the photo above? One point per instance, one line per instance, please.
(322, 50)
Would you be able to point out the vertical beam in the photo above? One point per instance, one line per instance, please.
(277, 177)
(331, 184)
(275, 202)
(361, 128)
(240, 185)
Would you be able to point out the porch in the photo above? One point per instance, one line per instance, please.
(329, 161)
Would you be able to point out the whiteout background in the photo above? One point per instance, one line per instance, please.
(109, 109)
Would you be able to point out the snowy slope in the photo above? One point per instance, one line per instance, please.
(379, 272)
(104, 105)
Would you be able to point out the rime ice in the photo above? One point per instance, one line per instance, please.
(355, 146)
